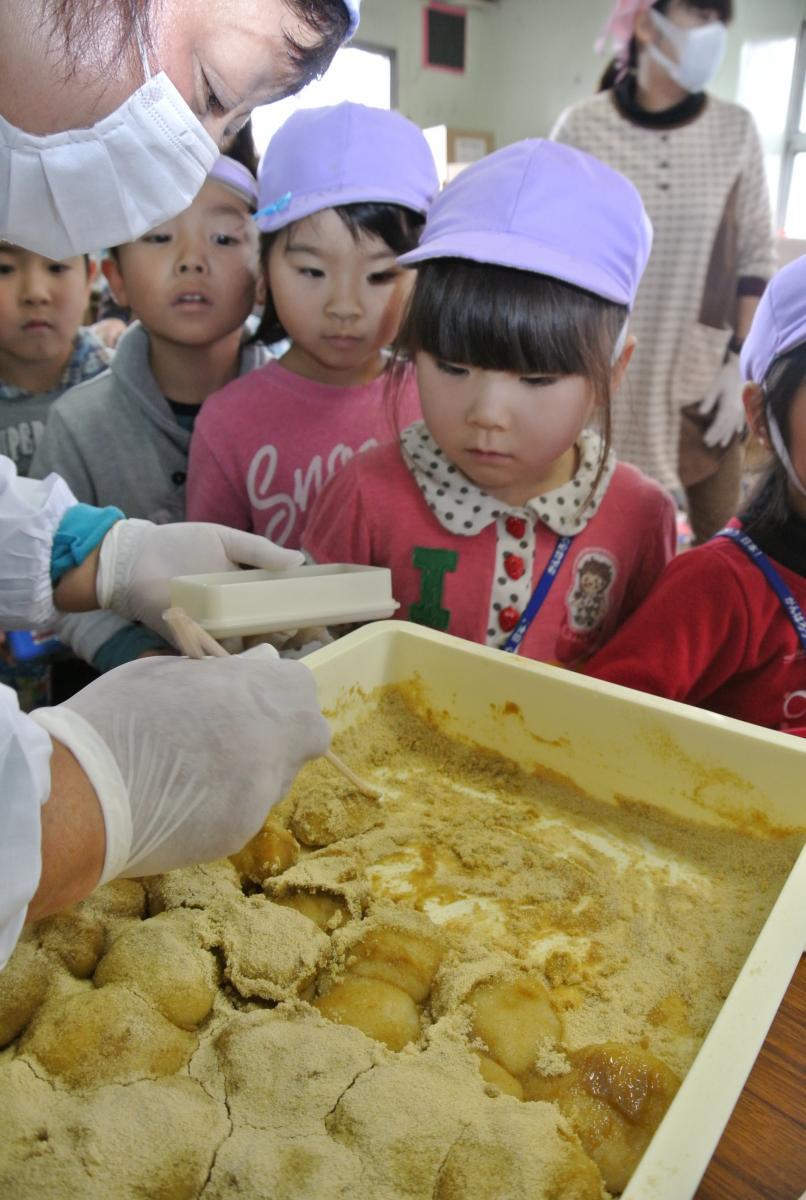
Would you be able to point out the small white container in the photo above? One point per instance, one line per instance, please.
(240, 603)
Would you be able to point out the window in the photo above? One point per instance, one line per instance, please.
(792, 203)
(364, 74)
(765, 84)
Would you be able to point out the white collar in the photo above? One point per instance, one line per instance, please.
(463, 508)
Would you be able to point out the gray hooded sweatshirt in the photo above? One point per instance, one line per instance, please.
(115, 440)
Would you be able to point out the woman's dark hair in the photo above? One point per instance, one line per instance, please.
(501, 319)
(768, 507)
(242, 148)
(80, 22)
(394, 224)
(330, 20)
(616, 67)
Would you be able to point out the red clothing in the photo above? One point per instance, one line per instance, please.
(266, 444)
(713, 633)
(373, 512)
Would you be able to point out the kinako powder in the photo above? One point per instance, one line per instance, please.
(484, 985)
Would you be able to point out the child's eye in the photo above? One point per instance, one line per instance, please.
(450, 368)
(538, 381)
(156, 239)
(6, 269)
(58, 268)
(214, 105)
(311, 272)
(225, 239)
(380, 277)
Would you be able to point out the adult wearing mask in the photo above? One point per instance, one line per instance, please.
(111, 113)
(698, 164)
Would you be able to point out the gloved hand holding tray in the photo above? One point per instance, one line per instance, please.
(241, 603)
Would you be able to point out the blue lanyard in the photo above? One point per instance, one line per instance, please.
(538, 595)
(759, 558)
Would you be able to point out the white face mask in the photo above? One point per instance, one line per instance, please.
(87, 189)
(779, 446)
(699, 51)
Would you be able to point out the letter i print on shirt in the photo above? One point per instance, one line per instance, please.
(433, 565)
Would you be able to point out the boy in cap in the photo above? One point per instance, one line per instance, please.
(123, 438)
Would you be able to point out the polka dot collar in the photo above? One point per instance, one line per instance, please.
(463, 508)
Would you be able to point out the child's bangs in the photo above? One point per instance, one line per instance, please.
(501, 319)
(398, 226)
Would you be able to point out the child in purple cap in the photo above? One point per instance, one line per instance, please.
(724, 628)
(343, 191)
(191, 285)
(503, 517)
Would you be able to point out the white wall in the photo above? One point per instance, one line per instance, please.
(431, 97)
(529, 59)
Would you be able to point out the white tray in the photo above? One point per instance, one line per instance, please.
(233, 603)
(611, 742)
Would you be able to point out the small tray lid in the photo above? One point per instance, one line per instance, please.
(247, 602)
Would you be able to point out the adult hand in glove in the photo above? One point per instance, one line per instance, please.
(138, 558)
(187, 757)
(725, 402)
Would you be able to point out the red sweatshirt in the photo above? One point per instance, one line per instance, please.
(713, 633)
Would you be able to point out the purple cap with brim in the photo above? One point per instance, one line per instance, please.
(779, 323)
(236, 177)
(543, 207)
(344, 154)
(354, 9)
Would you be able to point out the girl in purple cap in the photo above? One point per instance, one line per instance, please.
(724, 628)
(503, 515)
(343, 191)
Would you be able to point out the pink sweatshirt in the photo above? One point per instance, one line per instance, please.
(267, 443)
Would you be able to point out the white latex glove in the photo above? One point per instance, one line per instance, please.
(725, 401)
(187, 756)
(138, 559)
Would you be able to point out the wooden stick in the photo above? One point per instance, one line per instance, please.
(195, 642)
(192, 640)
(358, 783)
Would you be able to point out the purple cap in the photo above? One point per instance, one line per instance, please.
(779, 323)
(345, 154)
(354, 9)
(544, 207)
(236, 177)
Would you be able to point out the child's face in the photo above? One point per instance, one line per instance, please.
(192, 280)
(339, 300)
(42, 304)
(514, 436)
(590, 583)
(797, 448)
(755, 411)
